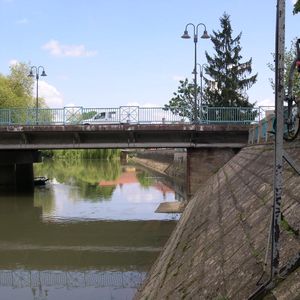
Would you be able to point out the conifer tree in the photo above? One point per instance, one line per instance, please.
(296, 7)
(228, 75)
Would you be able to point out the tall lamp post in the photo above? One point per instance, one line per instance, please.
(35, 71)
(187, 36)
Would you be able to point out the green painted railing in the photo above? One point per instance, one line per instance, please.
(128, 114)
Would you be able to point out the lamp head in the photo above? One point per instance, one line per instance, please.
(205, 35)
(43, 73)
(185, 35)
(30, 74)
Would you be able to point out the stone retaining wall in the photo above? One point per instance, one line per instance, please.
(218, 247)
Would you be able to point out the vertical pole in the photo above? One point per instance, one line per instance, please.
(37, 98)
(195, 77)
(201, 91)
(279, 98)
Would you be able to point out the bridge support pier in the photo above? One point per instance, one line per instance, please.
(16, 169)
(203, 163)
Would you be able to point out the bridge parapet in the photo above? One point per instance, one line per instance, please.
(128, 114)
(263, 131)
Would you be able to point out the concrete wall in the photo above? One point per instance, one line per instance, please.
(16, 169)
(192, 167)
(218, 247)
(159, 155)
(203, 163)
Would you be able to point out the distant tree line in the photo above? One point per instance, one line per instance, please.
(107, 154)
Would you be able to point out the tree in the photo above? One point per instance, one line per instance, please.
(297, 7)
(16, 88)
(182, 103)
(228, 75)
(289, 57)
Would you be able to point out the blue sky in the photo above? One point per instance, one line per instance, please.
(110, 53)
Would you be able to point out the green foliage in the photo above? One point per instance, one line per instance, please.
(88, 115)
(228, 75)
(296, 7)
(20, 82)
(85, 154)
(284, 225)
(7, 96)
(183, 101)
(144, 179)
(85, 174)
(289, 57)
(16, 88)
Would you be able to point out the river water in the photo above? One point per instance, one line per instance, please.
(90, 233)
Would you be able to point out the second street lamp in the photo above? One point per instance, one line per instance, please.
(35, 71)
(201, 68)
(187, 36)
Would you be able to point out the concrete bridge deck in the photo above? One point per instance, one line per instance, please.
(123, 136)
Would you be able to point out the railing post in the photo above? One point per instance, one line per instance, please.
(64, 117)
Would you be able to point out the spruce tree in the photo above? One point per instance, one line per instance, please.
(296, 7)
(228, 75)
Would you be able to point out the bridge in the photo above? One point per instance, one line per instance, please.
(25, 131)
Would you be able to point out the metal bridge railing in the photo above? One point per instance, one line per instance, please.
(33, 278)
(130, 115)
(263, 130)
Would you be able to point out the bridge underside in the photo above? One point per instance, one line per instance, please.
(16, 169)
(123, 136)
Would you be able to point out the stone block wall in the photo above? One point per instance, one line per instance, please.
(202, 163)
(218, 247)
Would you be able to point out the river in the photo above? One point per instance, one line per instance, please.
(90, 233)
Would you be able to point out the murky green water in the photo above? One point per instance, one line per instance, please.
(90, 233)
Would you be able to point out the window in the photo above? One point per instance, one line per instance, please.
(100, 116)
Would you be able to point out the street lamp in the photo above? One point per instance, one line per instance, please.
(187, 36)
(35, 71)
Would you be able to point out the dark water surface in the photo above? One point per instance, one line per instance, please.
(90, 233)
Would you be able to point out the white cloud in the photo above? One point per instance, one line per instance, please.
(294, 2)
(13, 62)
(51, 95)
(57, 49)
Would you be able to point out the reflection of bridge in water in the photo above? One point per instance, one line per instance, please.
(70, 279)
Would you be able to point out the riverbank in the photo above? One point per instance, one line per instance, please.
(217, 249)
(168, 162)
(151, 164)
(172, 171)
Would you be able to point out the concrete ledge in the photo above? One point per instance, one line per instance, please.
(170, 207)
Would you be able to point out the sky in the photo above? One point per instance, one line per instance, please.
(100, 53)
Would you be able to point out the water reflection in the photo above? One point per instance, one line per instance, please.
(127, 193)
(71, 240)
